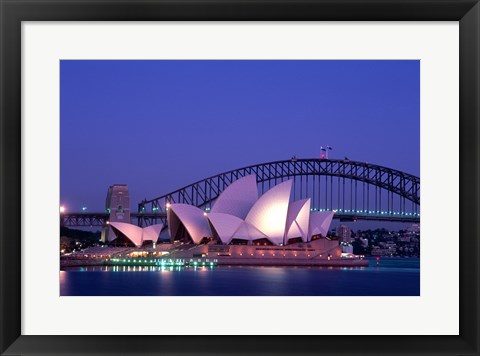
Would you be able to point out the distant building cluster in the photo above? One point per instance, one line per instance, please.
(381, 242)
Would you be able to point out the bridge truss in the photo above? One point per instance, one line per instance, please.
(351, 189)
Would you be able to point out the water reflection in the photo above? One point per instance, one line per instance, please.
(137, 269)
(274, 269)
(241, 281)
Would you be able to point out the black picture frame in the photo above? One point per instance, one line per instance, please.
(13, 12)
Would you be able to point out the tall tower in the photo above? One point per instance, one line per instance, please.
(117, 204)
(344, 233)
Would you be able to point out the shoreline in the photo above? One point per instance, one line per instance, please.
(235, 262)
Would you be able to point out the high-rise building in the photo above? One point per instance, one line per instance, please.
(344, 233)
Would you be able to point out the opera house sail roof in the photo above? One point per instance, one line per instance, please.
(298, 220)
(225, 226)
(269, 214)
(238, 198)
(239, 214)
(320, 222)
(187, 221)
(129, 233)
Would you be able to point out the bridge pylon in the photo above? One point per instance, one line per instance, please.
(117, 205)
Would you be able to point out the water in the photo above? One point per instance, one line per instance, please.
(393, 277)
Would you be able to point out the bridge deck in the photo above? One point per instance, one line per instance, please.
(145, 219)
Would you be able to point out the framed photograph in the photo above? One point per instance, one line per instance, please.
(239, 177)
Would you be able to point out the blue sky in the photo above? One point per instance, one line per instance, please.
(160, 125)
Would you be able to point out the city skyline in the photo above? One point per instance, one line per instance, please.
(160, 125)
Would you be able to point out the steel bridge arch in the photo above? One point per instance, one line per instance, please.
(203, 192)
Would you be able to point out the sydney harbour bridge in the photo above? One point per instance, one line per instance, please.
(353, 190)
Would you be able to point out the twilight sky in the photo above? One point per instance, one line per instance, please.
(160, 125)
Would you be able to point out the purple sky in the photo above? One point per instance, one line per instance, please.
(160, 125)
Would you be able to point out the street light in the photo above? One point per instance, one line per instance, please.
(62, 209)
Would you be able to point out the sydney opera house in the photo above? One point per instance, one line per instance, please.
(239, 216)
(244, 228)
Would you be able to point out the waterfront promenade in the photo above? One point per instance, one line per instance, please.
(230, 261)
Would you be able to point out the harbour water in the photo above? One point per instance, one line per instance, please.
(390, 277)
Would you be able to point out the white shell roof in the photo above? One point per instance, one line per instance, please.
(225, 225)
(133, 232)
(320, 222)
(269, 214)
(248, 232)
(255, 233)
(152, 232)
(242, 233)
(137, 234)
(298, 219)
(238, 198)
(192, 218)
